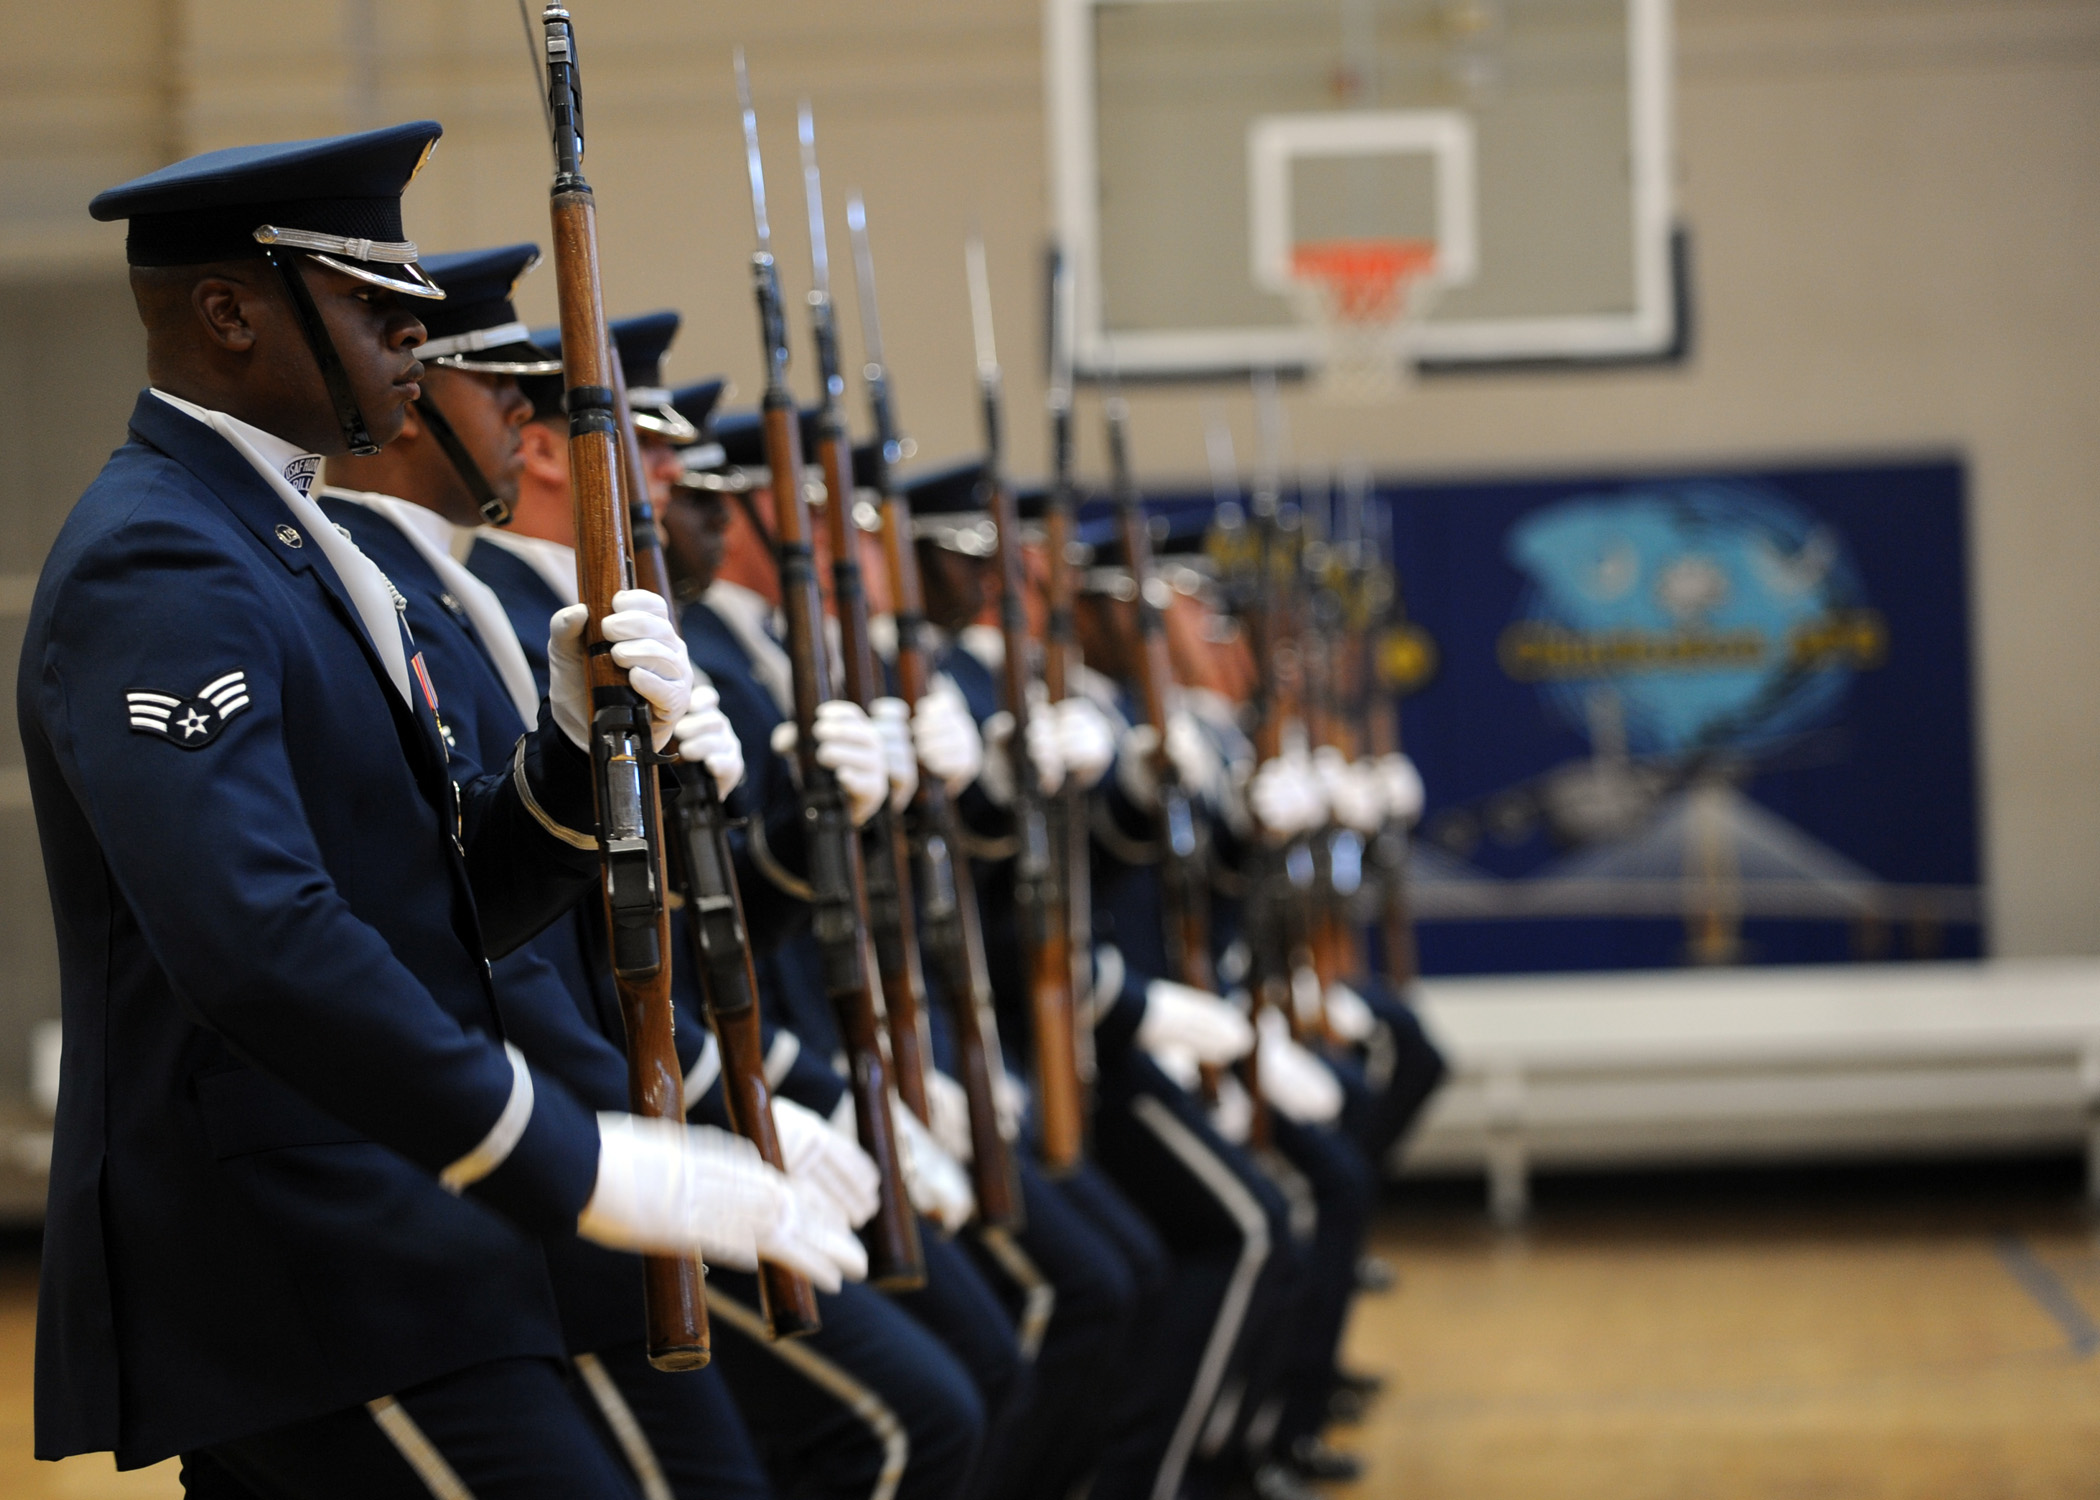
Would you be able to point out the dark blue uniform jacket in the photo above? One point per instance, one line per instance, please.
(278, 1016)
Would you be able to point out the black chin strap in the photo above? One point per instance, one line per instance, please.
(494, 508)
(333, 375)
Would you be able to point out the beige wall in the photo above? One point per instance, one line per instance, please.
(1895, 205)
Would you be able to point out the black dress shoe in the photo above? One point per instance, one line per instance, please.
(1374, 1274)
(1315, 1460)
(1362, 1382)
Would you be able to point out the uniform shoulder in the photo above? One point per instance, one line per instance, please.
(143, 509)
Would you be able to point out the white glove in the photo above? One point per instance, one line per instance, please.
(1179, 1016)
(1349, 1016)
(1043, 749)
(935, 1182)
(705, 738)
(1179, 1064)
(1233, 1115)
(1196, 762)
(684, 1189)
(1085, 741)
(1403, 787)
(1010, 1099)
(850, 746)
(1354, 797)
(820, 1157)
(1297, 1085)
(949, 1104)
(892, 720)
(646, 643)
(1286, 798)
(946, 737)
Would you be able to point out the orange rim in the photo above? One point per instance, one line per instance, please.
(1364, 277)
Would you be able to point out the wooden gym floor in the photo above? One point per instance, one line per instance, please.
(1924, 1333)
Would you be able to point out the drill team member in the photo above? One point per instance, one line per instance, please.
(297, 1167)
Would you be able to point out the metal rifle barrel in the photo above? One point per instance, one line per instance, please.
(952, 935)
(1045, 940)
(703, 874)
(624, 788)
(838, 895)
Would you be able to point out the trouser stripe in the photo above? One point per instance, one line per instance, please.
(626, 1429)
(882, 1422)
(1253, 1224)
(420, 1453)
(1038, 1296)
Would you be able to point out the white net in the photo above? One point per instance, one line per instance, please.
(1364, 300)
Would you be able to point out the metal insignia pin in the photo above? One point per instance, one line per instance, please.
(289, 535)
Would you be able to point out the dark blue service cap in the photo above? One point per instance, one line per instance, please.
(337, 198)
(742, 435)
(947, 507)
(696, 403)
(477, 328)
(639, 343)
(1180, 536)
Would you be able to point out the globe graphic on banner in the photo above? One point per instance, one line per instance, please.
(1721, 615)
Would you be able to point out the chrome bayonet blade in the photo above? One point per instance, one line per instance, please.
(1063, 324)
(864, 279)
(981, 309)
(813, 190)
(1217, 446)
(751, 157)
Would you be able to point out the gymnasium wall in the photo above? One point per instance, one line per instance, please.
(1894, 210)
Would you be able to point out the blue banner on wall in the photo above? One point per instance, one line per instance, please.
(1718, 717)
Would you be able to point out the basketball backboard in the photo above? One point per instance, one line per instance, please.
(1195, 143)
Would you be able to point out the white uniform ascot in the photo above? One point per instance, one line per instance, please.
(291, 473)
(433, 536)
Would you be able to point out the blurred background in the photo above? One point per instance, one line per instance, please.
(1777, 316)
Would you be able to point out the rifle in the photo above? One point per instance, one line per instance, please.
(1045, 939)
(703, 876)
(1381, 603)
(1337, 851)
(1184, 882)
(885, 860)
(838, 897)
(623, 783)
(953, 938)
(1071, 840)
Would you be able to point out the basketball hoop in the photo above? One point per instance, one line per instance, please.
(1364, 297)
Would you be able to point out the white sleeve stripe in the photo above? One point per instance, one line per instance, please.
(212, 687)
(781, 1056)
(143, 705)
(503, 1136)
(227, 709)
(158, 726)
(706, 1069)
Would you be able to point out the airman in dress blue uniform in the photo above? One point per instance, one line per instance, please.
(298, 1167)
(413, 509)
(873, 1406)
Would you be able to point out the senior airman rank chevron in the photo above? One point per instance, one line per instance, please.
(194, 722)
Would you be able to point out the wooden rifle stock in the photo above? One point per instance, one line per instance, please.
(703, 874)
(1046, 941)
(953, 939)
(1071, 840)
(624, 787)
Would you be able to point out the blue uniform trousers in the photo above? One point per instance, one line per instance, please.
(1080, 1371)
(870, 1407)
(510, 1429)
(960, 1309)
(679, 1433)
(1236, 1270)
